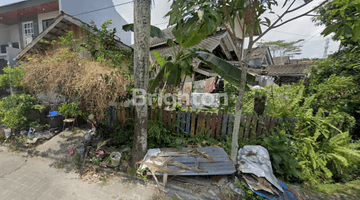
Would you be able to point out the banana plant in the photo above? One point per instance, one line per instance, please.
(175, 67)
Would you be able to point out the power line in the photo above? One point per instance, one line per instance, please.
(310, 38)
(290, 33)
(120, 4)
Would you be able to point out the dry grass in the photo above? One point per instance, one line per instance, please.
(95, 83)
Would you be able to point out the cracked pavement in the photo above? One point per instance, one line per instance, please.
(26, 178)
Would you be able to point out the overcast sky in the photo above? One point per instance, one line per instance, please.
(302, 28)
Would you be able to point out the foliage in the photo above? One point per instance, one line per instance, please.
(14, 110)
(70, 109)
(12, 76)
(282, 151)
(95, 160)
(35, 123)
(154, 31)
(103, 47)
(282, 48)
(122, 135)
(341, 17)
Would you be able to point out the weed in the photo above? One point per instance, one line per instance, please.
(77, 159)
(102, 184)
(96, 161)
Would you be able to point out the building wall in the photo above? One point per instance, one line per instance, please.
(14, 33)
(4, 34)
(45, 16)
(28, 18)
(76, 8)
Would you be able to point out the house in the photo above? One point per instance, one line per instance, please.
(282, 60)
(62, 23)
(281, 74)
(21, 22)
(260, 56)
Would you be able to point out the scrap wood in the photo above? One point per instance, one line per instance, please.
(177, 153)
(183, 166)
(259, 183)
(160, 168)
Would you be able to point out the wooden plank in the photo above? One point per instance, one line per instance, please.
(208, 122)
(123, 115)
(188, 118)
(224, 124)
(161, 115)
(183, 121)
(165, 117)
(213, 124)
(253, 128)
(193, 121)
(174, 113)
(218, 126)
(247, 127)
(230, 124)
(178, 123)
(259, 126)
(151, 114)
(242, 127)
(200, 122)
(169, 118)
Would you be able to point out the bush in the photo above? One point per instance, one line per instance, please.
(15, 110)
(70, 109)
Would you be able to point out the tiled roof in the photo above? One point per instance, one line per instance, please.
(258, 52)
(159, 41)
(281, 60)
(209, 43)
(287, 70)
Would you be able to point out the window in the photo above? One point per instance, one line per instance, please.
(28, 31)
(46, 23)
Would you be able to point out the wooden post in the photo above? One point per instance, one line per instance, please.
(230, 124)
(200, 122)
(224, 124)
(183, 121)
(193, 121)
(247, 128)
(188, 118)
(174, 119)
(253, 129)
(259, 126)
(208, 122)
(213, 125)
(242, 127)
(218, 126)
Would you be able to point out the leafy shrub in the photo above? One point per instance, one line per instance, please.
(122, 135)
(282, 153)
(14, 110)
(70, 109)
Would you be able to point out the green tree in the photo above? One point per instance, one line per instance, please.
(342, 18)
(195, 20)
(282, 48)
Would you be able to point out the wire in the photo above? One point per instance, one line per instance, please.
(310, 38)
(290, 33)
(160, 23)
(120, 4)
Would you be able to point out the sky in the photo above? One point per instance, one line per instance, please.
(302, 28)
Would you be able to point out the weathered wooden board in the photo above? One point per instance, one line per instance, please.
(221, 164)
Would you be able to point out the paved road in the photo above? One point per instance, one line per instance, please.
(24, 178)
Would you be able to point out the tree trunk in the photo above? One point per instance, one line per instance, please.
(141, 75)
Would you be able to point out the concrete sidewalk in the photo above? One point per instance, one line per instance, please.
(33, 178)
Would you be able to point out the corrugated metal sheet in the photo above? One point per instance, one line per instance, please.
(219, 164)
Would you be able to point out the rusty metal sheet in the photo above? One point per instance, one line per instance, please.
(220, 165)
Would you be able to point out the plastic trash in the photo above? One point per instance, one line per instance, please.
(31, 132)
(115, 158)
(7, 133)
(254, 162)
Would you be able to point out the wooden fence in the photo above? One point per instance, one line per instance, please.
(220, 124)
